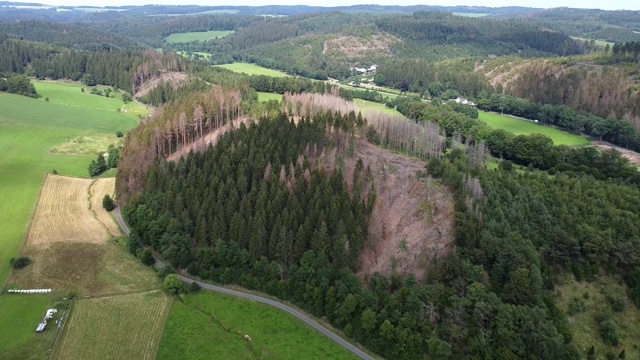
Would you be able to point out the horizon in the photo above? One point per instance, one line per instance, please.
(543, 4)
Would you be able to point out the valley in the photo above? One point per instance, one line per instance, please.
(312, 182)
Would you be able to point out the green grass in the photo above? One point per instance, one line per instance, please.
(196, 36)
(367, 106)
(252, 69)
(265, 96)
(584, 325)
(213, 326)
(202, 54)
(523, 127)
(29, 128)
(601, 43)
(19, 316)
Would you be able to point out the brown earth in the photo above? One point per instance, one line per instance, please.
(354, 47)
(633, 157)
(210, 139)
(172, 77)
(413, 220)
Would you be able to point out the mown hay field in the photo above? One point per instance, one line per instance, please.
(213, 326)
(115, 327)
(64, 215)
(72, 243)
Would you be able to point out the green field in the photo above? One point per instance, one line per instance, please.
(115, 327)
(214, 325)
(196, 36)
(265, 96)
(601, 43)
(252, 69)
(368, 106)
(523, 127)
(193, 53)
(29, 128)
(19, 339)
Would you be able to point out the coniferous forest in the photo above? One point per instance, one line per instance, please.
(281, 196)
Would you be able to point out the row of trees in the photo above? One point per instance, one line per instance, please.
(122, 69)
(100, 164)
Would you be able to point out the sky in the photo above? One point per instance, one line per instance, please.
(591, 4)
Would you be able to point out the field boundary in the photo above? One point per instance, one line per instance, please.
(26, 236)
(54, 347)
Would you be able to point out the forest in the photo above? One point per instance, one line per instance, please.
(238, 192)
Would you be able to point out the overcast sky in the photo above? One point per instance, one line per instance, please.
(592, 4)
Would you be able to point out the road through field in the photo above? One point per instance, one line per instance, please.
(273, 303)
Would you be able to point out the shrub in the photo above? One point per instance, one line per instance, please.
(576, 306)
(146, 257)
(173, 284)
(609, 331)
(107, 203)
(119, 134)
(617, 303)
(20, 262)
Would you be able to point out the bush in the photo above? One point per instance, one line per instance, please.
(146, 257)
(577, 305)
(119, 134)
(173, 284)
(107, 203)
(609, 331)
(20, 262)
(617, 303)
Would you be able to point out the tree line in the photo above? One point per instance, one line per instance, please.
(17, 84)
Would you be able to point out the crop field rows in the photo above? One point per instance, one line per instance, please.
(115, 327)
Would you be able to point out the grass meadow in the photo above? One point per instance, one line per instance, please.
(523, 127)
(370, 106)
(211, 325)
(115, 327)
(19, 339)
(252, 69)
(196, 36)
(265, 96)
(29, 128)
(594, 299)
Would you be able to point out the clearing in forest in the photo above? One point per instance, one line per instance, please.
(115, 327)
(252, 69)
(196, 36)
(524, 127)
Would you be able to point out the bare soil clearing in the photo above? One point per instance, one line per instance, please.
(172, 77)
(116, 327)
(412, 222)
(353, 47)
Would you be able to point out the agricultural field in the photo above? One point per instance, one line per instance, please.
(585, 302)
(122, 327)
(523, 127)
(212, 325)
(71, 243)
(252, 69)
(30, 128)
(196, 36)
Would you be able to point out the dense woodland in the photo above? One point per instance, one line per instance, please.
(266, 203)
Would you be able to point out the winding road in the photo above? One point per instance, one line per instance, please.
(347, 345)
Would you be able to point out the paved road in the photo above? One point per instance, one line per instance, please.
(273, 303)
